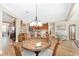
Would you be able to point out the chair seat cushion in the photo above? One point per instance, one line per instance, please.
(47, 52)
(27, 53)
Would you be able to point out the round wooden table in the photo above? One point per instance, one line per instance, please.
(36, 45)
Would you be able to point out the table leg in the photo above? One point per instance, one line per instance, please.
(37, 53)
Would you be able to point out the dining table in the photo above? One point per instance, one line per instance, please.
(36, 45)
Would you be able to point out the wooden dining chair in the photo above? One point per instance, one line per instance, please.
(22, 37)
(17, 51)
(49, 51)
(55, 48)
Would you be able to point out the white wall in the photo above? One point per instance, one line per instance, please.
(61, 29)
(74, 19)
(0, 30)
(18, 28)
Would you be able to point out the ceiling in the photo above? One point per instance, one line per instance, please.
(46, 12)
(7, 18)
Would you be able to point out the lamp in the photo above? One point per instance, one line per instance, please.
(36, 22)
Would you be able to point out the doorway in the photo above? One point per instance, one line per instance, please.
(72, 32)
(11, 27)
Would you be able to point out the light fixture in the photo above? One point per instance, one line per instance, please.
(36, 22)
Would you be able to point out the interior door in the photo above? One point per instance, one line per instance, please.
(72, 32)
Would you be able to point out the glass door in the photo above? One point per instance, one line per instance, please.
(72, 32)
